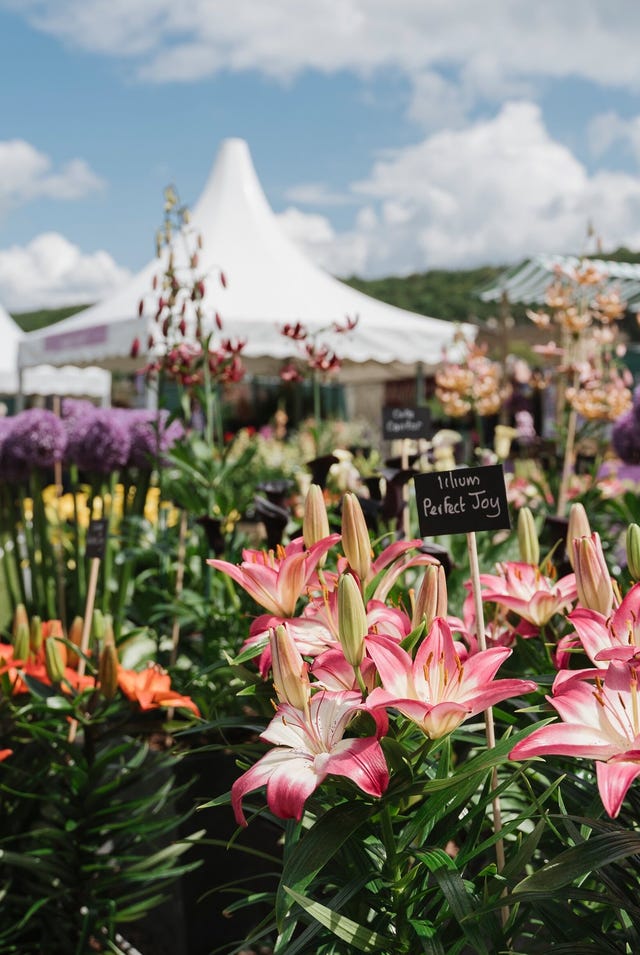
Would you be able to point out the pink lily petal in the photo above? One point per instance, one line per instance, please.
(360, 760)
(614, 779)
(289, 778)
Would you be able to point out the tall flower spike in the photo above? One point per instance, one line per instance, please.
(528, 537)
(431, 601)
(633, 550)
(290, 678)
(578, 527)
(355, 536)
(593, 581)
(352, 620)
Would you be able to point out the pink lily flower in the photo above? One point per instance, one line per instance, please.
(527, 591)
(276, 581)
(307, 749)
(616, 637)
(600, 721)
(437, 690)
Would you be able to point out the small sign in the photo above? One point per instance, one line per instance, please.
(96, 538)
(406, 423)
(460, 501)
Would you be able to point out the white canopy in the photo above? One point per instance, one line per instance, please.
(45, 379)
(269, 283)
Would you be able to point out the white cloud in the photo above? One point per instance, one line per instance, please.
(316, 194)
(27, 174)
(609, 129)
(497, 191)
(496, 44)
(50, 271)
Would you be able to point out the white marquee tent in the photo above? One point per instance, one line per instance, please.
(269, 283)
(45, 379)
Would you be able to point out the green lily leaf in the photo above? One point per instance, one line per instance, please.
(359, 936)
(597, 852)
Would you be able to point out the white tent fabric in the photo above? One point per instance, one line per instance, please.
(269, 283)
(45, 379)
(528, 282)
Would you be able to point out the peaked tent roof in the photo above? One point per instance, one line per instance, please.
(45, 379)
(269, 283)
(529, 281)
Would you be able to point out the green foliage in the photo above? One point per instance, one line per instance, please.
(89, 827)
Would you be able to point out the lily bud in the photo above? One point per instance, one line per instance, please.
(35, 633)
(108, 670)
(633, 550)
(355, 536)
(315, 521)
(593, 581)
(75, 637)
(528, 537)
(352, 620)
(21, 641)
(20, 616)
(578, 527)
(431, 601)
(97, 625)
(290, 678)
(53, 660)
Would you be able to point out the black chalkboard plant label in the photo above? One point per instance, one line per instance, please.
(399, 423)
(462, 501)
(96, 538)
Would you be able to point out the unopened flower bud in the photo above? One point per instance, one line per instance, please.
(75, 637)
(20, 616)
(431, 601)
(35, 633)
(578, 527)
(108, 670)
(593, 580)
(633, 550)
(21, 642)
(315, 521)
(355, 536)
(528, 537)
(290, 678)
(97, 625)
(53, 662)
(352, 620)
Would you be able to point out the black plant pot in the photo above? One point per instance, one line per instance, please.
(274, 518)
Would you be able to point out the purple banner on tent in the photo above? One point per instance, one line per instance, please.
(77, 338)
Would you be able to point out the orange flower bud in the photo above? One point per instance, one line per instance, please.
(352, 620)
(355, 536)
(75, 637)
(108, 670)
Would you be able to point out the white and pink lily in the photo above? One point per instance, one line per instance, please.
(601, 721)
(524, 589)
(437, 690)
(614, 637)
(276, 581)
(307, 748)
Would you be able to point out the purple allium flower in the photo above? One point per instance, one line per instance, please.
(106, 442)
(77, 415)
(625, 437)
(37, 439)
(151, 436)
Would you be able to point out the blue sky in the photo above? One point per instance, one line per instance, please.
(388, 137)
